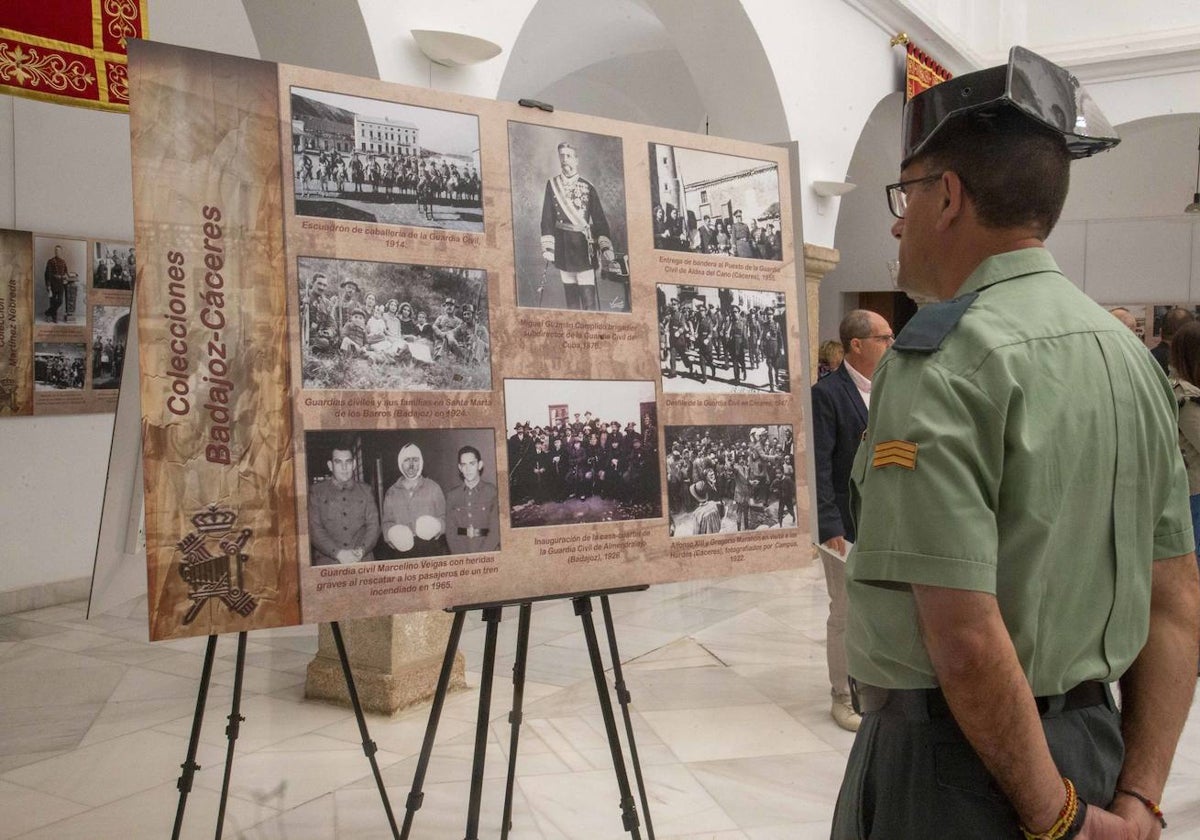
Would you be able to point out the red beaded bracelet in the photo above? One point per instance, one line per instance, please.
(1150, 804)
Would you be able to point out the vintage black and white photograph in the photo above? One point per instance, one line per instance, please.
(570, 244)
(110, 330)
(368, 160)
(58, 366)
(720, 340)
(113, 266)
(60, 271)
(722, 479)
(386, 495)
(581, 450)
(709, 203)
(393, 326)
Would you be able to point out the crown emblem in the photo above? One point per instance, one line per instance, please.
(214, 520)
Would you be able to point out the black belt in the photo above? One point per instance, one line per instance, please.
(473, 532)
(917, 703)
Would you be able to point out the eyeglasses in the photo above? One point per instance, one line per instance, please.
(897, 193)
(887, 338)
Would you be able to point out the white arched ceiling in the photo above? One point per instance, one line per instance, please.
(325, 34)
(662, 60)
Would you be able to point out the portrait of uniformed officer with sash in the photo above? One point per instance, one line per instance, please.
(573, 256)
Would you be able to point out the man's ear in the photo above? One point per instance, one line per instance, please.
(953, 199)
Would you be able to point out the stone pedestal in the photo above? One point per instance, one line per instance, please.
(396, 660)
(818, 261)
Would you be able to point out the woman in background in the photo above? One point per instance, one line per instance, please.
(1185, 366)
(829, 357)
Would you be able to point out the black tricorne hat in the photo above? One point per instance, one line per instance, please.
(1032, 86)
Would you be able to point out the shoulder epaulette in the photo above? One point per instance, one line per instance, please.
(926, 331)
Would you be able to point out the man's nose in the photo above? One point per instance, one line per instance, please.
(897, 228)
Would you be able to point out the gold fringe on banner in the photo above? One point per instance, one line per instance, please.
(921, 72)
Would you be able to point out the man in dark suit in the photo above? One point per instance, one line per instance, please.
(840, 402)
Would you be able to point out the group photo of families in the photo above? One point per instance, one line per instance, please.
(393, 326)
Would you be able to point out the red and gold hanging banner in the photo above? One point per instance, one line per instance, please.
(921, 72)
(69, 51)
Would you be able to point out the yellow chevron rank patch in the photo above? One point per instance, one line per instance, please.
(895, 453)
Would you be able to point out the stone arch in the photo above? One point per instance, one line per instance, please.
(651, 61)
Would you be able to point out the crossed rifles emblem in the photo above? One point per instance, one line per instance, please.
(215, 575)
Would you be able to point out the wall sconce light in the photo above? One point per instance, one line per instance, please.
(830, 189)
(827, 190)
(454, 49)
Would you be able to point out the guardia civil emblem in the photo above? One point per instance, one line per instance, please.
(8, 394)
(213, 562)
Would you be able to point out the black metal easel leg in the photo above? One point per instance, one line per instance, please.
(514, 717)
(232, 729)
(624, 698)
(369, 748)
(491, 616)
(629, 818)
(416, 796)
(189, 764)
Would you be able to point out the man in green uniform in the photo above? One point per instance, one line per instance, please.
(1023, 530)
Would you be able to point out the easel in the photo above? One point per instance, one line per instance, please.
(235, 720)
(582, 603)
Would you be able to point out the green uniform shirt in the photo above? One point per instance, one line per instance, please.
(1046, 472)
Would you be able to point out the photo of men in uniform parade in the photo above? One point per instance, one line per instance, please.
(368, 160)
(575, 254)
(58, 366)
(722, 479)
(718, 340)
(394, 327)
(387, 495)
(709, 203)
(581, 451)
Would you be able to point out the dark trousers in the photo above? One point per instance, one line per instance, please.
(915, 777)
(56, 299)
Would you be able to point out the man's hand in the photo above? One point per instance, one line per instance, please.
(1099, 824)
(548, 256)
(346, 555)
(1146, 826)
(837, 544)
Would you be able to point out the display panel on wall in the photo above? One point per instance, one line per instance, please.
(64, 317)
(405, 349)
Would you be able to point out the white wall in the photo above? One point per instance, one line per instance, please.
(66, 170)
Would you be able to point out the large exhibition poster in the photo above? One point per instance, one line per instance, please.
(64, 317)
(406, 349)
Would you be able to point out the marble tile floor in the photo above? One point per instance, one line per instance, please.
(731, 716)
